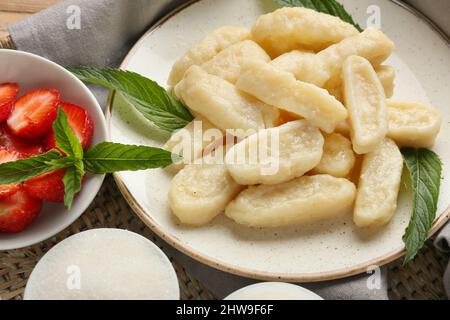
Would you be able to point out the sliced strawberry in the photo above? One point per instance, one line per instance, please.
(8, 94)
(18, 211)
(26, 147)
(34, 113)
(80, 122)
(8, 189)
(48, 187)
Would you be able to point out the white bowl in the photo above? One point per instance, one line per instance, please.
(104, 264)
(265, 291)
(34, 72)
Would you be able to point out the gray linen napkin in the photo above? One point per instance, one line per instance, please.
(222, 284)
(108, 29)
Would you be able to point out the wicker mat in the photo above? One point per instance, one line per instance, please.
(109, 210)
(421, 279)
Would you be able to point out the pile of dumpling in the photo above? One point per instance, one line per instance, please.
(318, 85)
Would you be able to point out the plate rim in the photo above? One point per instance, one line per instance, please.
(242, 271)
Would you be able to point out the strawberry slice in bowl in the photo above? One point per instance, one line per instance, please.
(9, 189)
(21, 133)
(8, 94)
(18, 211)
(48, 187)
(33, 114)
(25, 147)
(80, 122)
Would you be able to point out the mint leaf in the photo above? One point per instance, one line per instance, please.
(110, 157)
(21, 170)
(150, 99)
(425, 169)
(62, 163)
(72, 182)
(66, 140)
(331, 7)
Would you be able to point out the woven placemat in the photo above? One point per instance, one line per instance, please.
(421, 279)
(109, 210)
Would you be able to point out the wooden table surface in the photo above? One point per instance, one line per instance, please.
(14, 10)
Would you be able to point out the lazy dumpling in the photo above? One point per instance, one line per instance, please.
(379, 185)
(413, 124)
(220, 102)
(276, 155)
(301, 201)
(366, 103)
(228, 63)
(200, 192)
(338, 157)
(324, 69)
(206, 49)
(290, 28)
(279, 88)
(386, 75)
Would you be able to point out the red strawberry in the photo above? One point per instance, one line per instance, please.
(34, 113)
(80, 122)
(18, 211)
(26, 147)
(8, 93)
(8, 189)
(47, 187)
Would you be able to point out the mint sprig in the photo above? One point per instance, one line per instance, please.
(62, 163)
(110, 157)
(68, 143)
(24, 169)
(331, 7)
(149, 98)
(73, 180)
(103, 158)
(425, 169)
(66, 140)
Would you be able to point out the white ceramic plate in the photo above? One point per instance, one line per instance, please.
(33, 72)
(328, 250)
